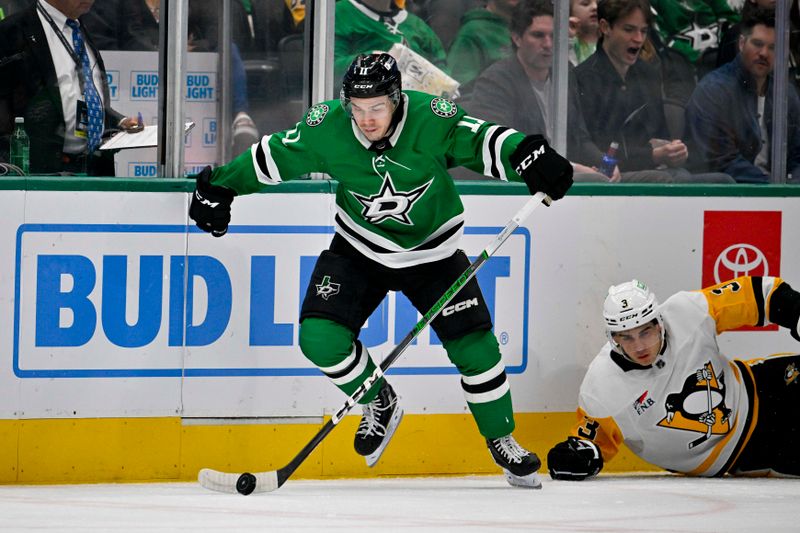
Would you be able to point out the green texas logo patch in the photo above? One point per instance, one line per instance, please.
(443, 107)
(326, 289)
(316, 114)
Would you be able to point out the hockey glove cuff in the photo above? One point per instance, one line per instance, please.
(796, 330)
(542, 168)
(574, 459)
(211, 205)
(784, 309)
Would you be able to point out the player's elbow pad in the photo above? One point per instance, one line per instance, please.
(574, 459)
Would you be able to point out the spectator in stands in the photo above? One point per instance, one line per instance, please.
(583, 31)
(9, 7)
(484, 38)
(621, 96)
(729, 43)
(363, 26)
(730, 113)
(54, 77)
(517, 92)
(729, 47)
(444, 16)
(133, 25)
(297, 9)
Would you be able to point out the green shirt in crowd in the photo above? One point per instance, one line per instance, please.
(692, 26)
(484, 38)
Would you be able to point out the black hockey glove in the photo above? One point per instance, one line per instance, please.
(211, 205)
(542, 168)
(784, 309)
(574, 459)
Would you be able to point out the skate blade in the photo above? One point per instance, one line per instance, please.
(531, 481)
(397, 416)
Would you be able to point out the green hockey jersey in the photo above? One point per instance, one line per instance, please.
(399, 207)
(692, 26)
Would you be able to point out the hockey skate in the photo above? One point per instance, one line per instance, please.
(381, 417)
(519, 464)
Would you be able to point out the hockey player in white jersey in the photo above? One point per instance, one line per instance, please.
(661, 385)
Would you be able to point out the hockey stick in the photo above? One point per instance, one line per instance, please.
(707, 436)
(248, 483)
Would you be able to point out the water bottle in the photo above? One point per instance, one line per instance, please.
(610, 160)
(20, 146)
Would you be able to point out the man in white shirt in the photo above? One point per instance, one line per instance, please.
(51, 74)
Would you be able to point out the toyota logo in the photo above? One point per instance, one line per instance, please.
(741, 260)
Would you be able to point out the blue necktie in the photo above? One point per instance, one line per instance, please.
(94, 105)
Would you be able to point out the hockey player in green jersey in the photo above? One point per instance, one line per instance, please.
(398, 224)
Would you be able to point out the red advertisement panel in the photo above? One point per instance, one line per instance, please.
(740, 243)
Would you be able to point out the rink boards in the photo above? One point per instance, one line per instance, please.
(136, 347)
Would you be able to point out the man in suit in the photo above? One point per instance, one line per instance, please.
(51, 74)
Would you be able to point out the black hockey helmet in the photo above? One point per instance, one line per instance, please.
(371, 75)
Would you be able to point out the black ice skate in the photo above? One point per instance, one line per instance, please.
(381, 417)
(519, 464)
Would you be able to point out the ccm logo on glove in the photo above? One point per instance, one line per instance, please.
(542, 168)
(204, 201)
(529, 160)
(211, 205)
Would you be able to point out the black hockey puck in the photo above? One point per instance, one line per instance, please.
(246, 484)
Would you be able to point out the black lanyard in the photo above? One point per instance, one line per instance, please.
(67, 46)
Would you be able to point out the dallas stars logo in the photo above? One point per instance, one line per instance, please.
(699, 37)
(316, 114)
(389, 203)
(326, 289)
(443, 107)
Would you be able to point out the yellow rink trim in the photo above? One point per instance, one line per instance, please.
(164, 449)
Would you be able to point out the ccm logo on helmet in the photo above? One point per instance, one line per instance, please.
(363, 85)
(533, 156)
(460, 306)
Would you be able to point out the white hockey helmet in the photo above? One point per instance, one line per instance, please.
(630, 305)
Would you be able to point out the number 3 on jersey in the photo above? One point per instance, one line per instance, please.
(589, 429)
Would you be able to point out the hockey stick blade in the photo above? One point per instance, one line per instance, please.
(238, 483)
(268, 481)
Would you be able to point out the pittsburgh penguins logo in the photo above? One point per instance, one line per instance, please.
(699, 407)
(791, 374)
(316, 114)
(326, 289)
(389, 203)
(443, 107)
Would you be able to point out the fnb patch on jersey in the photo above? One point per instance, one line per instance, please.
(316, 114)
(443, 107)
(642, 403)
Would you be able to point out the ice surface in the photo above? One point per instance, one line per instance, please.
(481, 503)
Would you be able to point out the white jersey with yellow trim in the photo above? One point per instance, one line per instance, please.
(691, 410)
